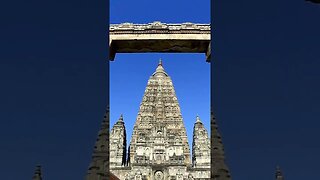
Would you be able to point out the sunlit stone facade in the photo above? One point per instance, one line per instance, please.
(159, 147)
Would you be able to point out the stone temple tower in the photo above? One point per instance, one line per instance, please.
(98, 168)
(159, 148)
(159, 136)
(200, 146)
(118, 144)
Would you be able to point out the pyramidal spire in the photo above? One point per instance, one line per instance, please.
(98, 169)
(220, 169)
(160, 72)
(279, 175)
(159, 118)
(121, 118)
(37, 173)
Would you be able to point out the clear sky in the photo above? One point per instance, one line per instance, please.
(54, 74)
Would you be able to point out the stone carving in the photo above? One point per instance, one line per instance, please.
(158, 175)
(159, 37)
(159, 136)
(126, 177)
(138, 175)
(159, 27)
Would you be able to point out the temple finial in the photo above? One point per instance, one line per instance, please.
(121, 118)
(198, 119)
(160, 70)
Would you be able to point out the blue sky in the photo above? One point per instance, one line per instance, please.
(145, 11)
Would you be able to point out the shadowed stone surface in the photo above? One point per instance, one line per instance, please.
(37, 174)
(99, 166)
(279, 175)
(220, 170)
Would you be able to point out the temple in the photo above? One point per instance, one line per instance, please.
(159, 147)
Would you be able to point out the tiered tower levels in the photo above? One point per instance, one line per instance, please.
(159, 147)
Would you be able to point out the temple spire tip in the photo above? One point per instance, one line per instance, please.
(159, 70)
(160, 62)
(121, 118)
(198, 119)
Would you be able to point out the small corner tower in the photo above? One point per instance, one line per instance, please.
(98, 168)
(37, 174)
(118, 144)
(200, 146)
(219, 167)
(279, 175)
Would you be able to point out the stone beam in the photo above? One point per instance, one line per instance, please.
(159, 37)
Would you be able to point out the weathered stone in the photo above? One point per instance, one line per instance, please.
(159, 37)
(99, 166)
(159, 148)
(118, 144)
(200, 146)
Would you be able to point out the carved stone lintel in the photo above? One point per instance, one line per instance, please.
(159, 27)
